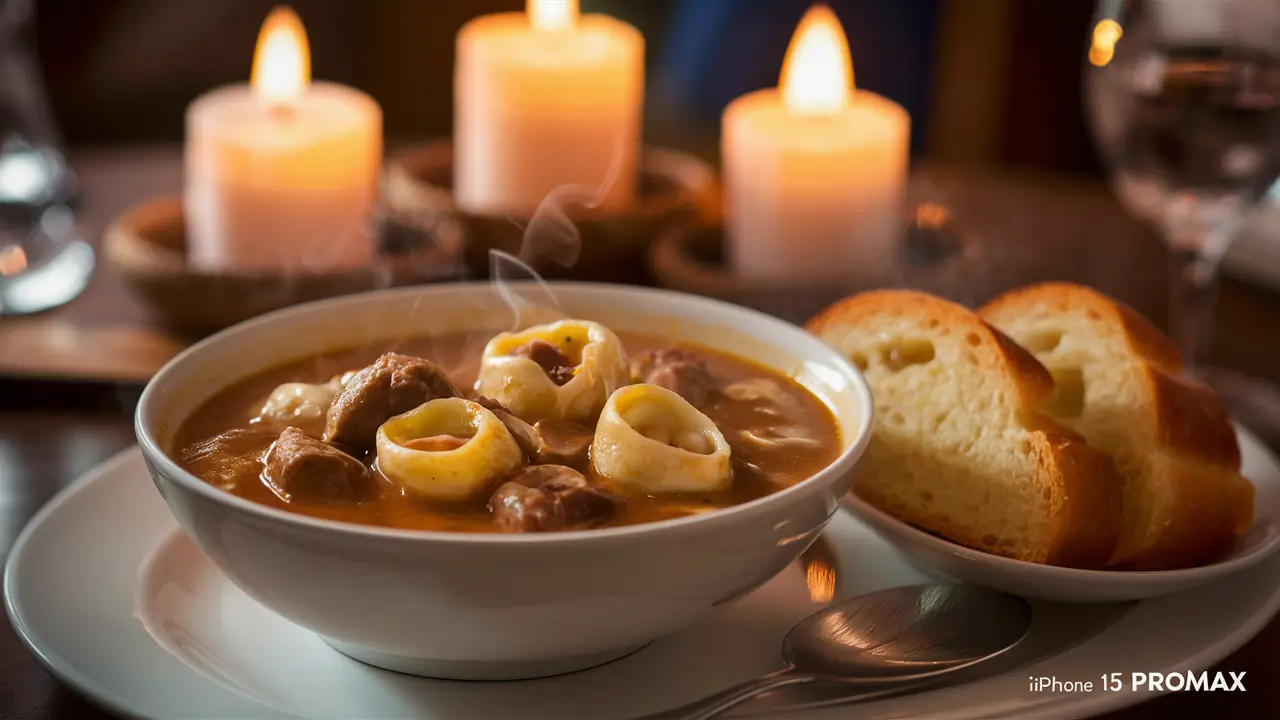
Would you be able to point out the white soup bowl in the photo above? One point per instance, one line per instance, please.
(496, 606)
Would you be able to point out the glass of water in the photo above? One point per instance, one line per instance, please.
(42, 263)
(1183, 97)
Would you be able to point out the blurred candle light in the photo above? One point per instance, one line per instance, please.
(282, 173)
(1105, 36)
(13, 260)
(817, 73)
(820, 578)
(282, 60)
(815, 170)
(545, 99)
(552, 15)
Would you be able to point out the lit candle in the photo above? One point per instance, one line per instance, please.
(546, 99)
(282, 173)
(814, 171)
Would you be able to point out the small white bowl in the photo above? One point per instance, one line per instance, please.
(1046, 582)
(496, 606)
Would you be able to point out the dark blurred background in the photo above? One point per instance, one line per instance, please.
(122, 71)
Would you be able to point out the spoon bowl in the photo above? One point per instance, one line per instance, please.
(907, 633)
(884, 641)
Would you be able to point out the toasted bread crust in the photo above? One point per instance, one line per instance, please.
(1032, 381)
(1085, 485)
(1190, 418)
(1087, 518)
(1206, 504)
(1144, 339)
(1035, 384)
(1211, 510)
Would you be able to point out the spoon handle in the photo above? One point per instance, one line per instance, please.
(712, 706)
(847, 697)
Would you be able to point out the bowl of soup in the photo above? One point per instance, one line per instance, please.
(441, 481)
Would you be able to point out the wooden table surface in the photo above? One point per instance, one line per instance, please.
(53, 431)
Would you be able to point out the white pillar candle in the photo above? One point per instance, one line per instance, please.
(815, 172)
(544, 100)
(281, 173)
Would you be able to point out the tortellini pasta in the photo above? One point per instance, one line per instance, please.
(300, 402)
(652, 440)
(446, 449)
(597, 365)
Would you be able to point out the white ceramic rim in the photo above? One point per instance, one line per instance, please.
(884, 523)
(751, 318)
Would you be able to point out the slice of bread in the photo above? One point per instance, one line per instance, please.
(1185, 502)
(959, 448)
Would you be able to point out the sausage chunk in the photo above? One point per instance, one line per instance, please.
(562, 442)
(550, 498)
(298, 467)
(554, 363)
(549, 442)
(525, 436)
(393, 384)
(682, 372)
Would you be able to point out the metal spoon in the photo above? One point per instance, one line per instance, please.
(885, 641)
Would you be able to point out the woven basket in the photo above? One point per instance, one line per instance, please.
(147, 246)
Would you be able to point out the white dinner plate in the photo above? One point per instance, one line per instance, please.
(948, 560)
(114, 600)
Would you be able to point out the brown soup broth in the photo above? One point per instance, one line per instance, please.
(759, 469)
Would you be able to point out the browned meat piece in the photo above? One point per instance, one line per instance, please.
(554, 363)
(526, 437)
(562, 442)
(392, 385)
(301, 468)
(550, 442)
(682, 372)
(550, 498)
(489, 403)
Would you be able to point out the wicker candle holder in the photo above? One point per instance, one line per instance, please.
(147, 245)
(674, 187)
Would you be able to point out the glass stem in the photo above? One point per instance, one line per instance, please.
(1192, 292)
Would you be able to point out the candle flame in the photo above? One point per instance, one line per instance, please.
(552, 15)
(282, 60)
(1105, 36)
(817, 74)
(932, 216)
